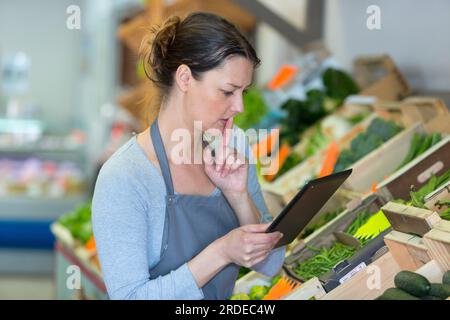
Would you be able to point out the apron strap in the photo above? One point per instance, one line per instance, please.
(162, 156)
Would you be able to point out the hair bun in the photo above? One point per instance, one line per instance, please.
(165, 36)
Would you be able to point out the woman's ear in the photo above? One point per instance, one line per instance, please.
(182, 77)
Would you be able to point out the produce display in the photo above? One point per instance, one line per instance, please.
(34, 177)
(417, 196)
(243, 271)
(317, 142)
(364, 227)
(323, 261)
(291, 161)
(413, 286)
(419, 144)
(367, 226)
(257, 292)
(255, 109)
(303, 113)
(378, 132)
(78, 223)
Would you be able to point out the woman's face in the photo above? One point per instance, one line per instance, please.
(218, 95)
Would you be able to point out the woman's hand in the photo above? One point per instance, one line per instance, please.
(228, 170)
(247, 245)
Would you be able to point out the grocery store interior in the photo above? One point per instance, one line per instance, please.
(349, 84)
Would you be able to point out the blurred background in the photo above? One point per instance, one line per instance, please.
(72, 90)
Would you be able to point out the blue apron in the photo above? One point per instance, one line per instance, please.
(192, 222)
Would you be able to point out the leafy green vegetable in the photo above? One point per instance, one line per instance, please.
(383, 129)
(419, 144)
(258, 292)
(323, 261)
(338, 84)
(243, 271)
(301, 114)
(316, 142)
(358, 118)
(378, 132)
(79, 223)
(291, 161)
(417, 197)
(255, 109)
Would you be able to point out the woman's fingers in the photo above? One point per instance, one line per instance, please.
(262, 247)
(260, 257)
(223, 150)
(207, 156)
(261, 238)
(257, 227)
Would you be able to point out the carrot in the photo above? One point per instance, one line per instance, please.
(266, 145)
(279, 160)
(283, 287)
(330, 160)
(374, 186)
(283, 76)
(90, 245)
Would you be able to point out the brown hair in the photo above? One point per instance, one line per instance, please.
(202, 41)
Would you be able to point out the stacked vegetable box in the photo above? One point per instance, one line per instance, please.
(73, 230)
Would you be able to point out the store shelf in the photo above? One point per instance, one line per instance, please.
(26, 261)
(22, 207)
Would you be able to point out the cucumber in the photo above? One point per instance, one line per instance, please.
(446, 277)
(440, 290)
(413, 283)
(396, 294)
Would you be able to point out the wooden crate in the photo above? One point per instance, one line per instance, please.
(432, 112)
(311, 289)
(325, 236)
(288, 184)
(381, 162)
(357, 287)
(434, 161)
(440, 194)
(371, 282)
(342, 219)
(87, 258)
(379, 77)
(409, 251)
(362, 287)
(410, 219)
(438, 241)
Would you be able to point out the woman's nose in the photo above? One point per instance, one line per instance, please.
(238, 105)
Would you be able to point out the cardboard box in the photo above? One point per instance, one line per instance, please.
(429, 110)
(378, 76)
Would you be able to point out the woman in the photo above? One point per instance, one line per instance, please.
(171, 230)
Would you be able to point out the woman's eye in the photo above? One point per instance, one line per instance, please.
(227, 93)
